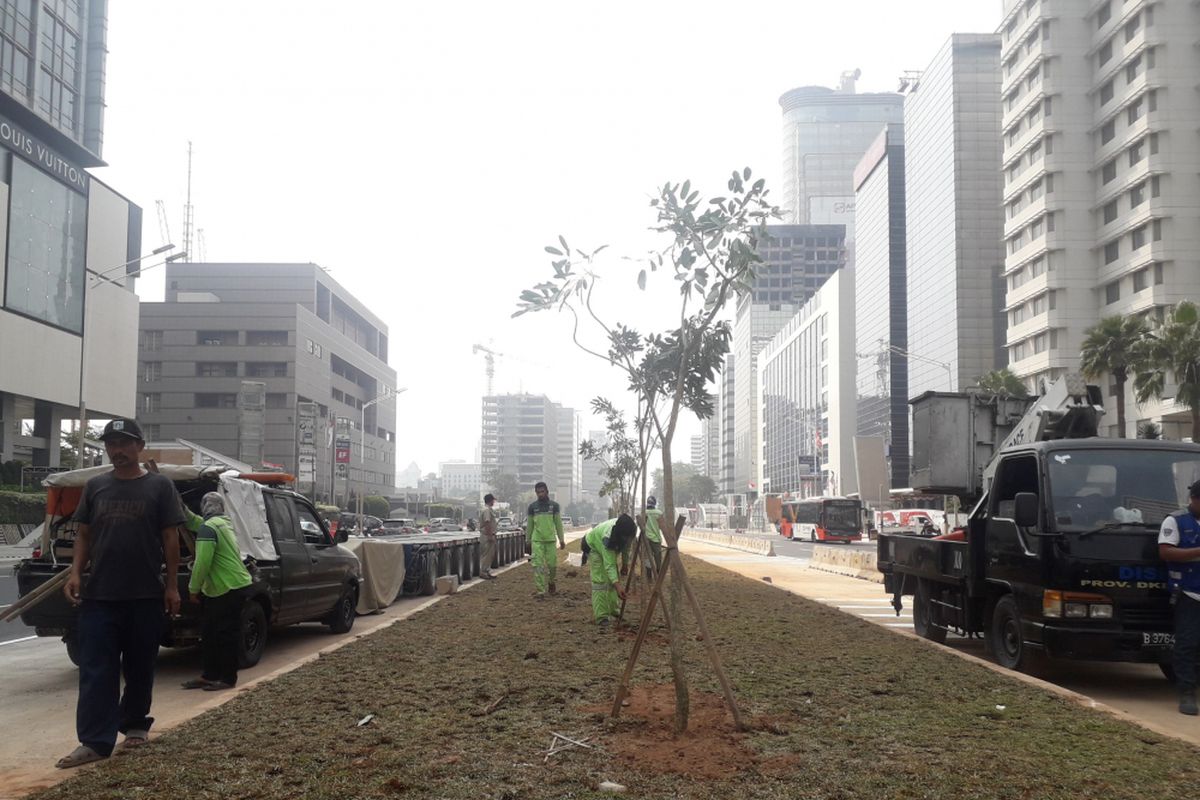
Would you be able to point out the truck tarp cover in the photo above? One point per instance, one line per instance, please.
(243, 501)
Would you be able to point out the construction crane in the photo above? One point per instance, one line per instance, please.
(164, 228)
(489, 357)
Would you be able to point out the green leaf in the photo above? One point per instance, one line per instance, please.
(746, 174)
(554, 251)
(566, 248)
(642, 280)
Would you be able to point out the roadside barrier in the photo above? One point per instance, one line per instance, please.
(844, 560)
(751, 544)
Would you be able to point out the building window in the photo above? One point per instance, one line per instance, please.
(151, 371)
(1137, 195)
(150, 340)
(1152, 100)
(1108, 132)
(58, 87)
(1154, 186)
(1108, 172)
(277, 400)
(1105, 54)
(1135, 111)
(1132, 27)
(1158, 274)
(1106, 93)
(47, 236)
(1141, 279)
(267, 338)
(1111, 251)
(216, 338)
(1110, 212)
(1104, 15)
(266, 369)
(216, 400)
(1112, 292)
(216, 369)
(1136, 153)
(1132, 69)
(150, 402)
(1156, 230)
(153, 432)
(1153, 144)
(1138, 237)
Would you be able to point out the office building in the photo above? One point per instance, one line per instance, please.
(806, 382)
(236, 353)
(880, 301)
(725, 418)
(1101, 178)
(70, 242)
(594, 476)
(570, 464)
(527, 436)
(460, 479)
(797, 260)
(954, 231)
(710, 437)
(697, 454)
(825, 133)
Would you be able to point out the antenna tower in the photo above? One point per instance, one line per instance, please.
(187, 209)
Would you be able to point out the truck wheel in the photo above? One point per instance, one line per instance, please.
(429, 582)
(1004, 640)
(926, 616)
(253, 640)
(341, 618)
(73, 650)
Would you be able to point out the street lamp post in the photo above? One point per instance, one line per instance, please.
(362, 446)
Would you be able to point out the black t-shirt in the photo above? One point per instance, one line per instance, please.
(125, 519)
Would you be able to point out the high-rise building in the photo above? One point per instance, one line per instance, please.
(697, 453)
(710, 435)
(460, 479)
(880, 302)
(952, 188)
(825, 133)
(797, 260)
(288, 335)
(569, 462)
(1101, 168)
(523, 436)
(806, 379)
(726, 412)
(594, 476)
(70, 243)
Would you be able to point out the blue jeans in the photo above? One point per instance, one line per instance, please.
(1187, 641)
(116, 638)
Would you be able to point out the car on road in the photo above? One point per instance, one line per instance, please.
(568, 522)
(301, 571)
(395, 526)
(439, 524)
(507, 524)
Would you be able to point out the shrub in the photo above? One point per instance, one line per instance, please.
(377, 506)
(17, 508)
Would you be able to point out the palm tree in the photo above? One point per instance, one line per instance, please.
(1001, 383)
(1111, 346)
(1173, 346)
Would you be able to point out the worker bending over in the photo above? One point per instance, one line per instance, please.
(600, 547)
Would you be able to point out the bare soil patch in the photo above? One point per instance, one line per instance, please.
(842, 709)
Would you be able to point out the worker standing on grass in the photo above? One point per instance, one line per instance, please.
(1179, 546)
(127, 531)
(218, 583)
(487, 536)
(543, 525)
(653, 535)
(600, 548)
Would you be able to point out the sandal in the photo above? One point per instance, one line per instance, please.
(217, 686)
(79, 756)
(195, 683)
(134, 738)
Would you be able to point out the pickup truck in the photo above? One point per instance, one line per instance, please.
(311, 577)
(1059, 557)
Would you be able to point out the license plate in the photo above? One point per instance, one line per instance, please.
(1158, 639)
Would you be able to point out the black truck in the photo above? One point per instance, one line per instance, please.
(313, 579)
(1060, 555)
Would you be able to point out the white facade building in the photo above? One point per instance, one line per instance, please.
(806, 382)
(1101, 176)
(460, 479)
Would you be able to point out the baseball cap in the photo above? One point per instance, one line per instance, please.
(122, 427)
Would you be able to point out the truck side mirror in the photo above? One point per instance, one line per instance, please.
(1025, 510)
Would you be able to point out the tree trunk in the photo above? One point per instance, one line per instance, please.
(1120, 379)
(682, 706)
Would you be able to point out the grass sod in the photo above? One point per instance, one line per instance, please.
(842, 709)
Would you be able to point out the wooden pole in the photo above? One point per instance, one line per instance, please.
(629, 578)
(36, 596)
(643, 628)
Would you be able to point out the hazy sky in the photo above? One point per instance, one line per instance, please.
(425, 153)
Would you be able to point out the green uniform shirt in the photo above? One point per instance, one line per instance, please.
(218, 568)
(652, 531)
(544, 522)
(595, 542)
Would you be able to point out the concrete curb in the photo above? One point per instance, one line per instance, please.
(735, 541)
(844, 561)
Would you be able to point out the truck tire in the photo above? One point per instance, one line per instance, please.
(73, 651)
(1004, 640)
(341, 618)
(429, 580)
(253, 639)
(926, 615)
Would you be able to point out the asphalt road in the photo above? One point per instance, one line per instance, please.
(16, 631)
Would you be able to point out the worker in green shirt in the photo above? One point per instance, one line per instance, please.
(653, 535)
(600, 548)
(218, 583)
(542, 526)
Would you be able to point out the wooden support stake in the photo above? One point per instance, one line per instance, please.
(643, 628)
(629, 578)
(35, 597)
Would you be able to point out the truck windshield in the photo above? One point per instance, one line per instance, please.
(1090, 488)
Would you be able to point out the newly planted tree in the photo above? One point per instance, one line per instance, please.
(1111, 347)
(711, 253)
(1170, 352)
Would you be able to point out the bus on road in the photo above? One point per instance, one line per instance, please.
(825, 519)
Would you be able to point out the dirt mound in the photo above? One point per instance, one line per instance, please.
(711, 748)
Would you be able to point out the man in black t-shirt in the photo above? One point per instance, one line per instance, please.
(127, 529)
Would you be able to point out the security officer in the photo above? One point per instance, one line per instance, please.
(1179, 546)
